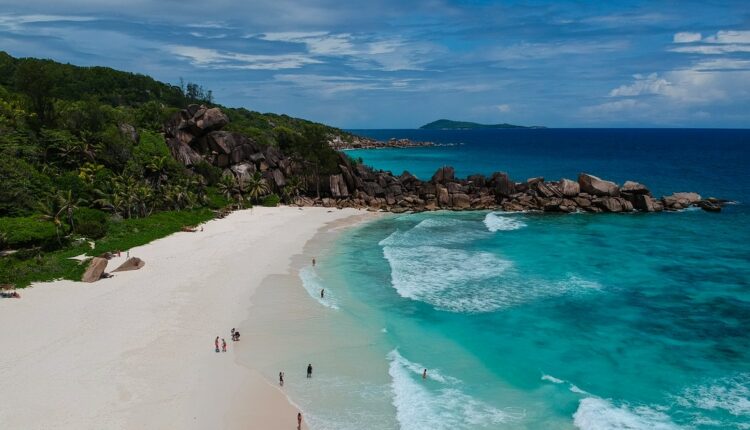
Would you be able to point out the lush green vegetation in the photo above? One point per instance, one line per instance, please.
(82, 156)
(446, 124)
(28, 265)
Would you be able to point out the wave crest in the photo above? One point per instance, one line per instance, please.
(497, 222)
(599, 414)
(313, 284)
(417, 407)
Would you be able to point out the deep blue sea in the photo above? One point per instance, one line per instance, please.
(542, 321)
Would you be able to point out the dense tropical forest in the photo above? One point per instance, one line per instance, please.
(83, 160)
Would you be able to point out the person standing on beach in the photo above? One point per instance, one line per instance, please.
(424, 374)
(281, 379)
(322, 292)
(309, 370)
(216, 343)
(223, 345)
(299, 420)
(313, 261)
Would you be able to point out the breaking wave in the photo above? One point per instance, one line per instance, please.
(447, 407)
(600, 414)
(313, 284)
(498, 222)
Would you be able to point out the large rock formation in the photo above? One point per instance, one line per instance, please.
(596, 186)
(194, 135)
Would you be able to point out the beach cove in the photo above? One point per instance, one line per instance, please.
(136, 350)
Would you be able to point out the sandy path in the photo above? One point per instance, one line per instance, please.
(136, 351)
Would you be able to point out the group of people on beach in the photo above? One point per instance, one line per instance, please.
(222, 347)
(281, 383)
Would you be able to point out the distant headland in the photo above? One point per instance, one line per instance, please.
(447, 124)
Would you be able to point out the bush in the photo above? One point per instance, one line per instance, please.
(271, 200)
(25, 232)
(210, 173)
(216, 200)
(90, 223)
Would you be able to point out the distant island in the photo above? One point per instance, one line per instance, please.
(446, 124)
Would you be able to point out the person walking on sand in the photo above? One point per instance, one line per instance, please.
(299, 420)
(223, 345)
(309, 370)
(216, 343)
(281, 379)
(424, 374)
(313, 261)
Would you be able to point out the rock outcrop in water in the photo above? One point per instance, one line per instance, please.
(194, 135)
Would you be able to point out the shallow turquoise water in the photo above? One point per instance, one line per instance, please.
(539, 321)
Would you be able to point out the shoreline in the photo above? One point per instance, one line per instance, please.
(137, 350)
(295, 327)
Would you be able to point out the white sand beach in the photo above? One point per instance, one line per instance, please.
(137, 350)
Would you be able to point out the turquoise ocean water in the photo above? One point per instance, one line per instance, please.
(539, 321)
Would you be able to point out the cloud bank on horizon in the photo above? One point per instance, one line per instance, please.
(395, 64)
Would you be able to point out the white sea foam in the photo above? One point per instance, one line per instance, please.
(449, 279)
(418, 407)
(729, 394)
(599, 414)
(498, 222)
(573, 388)
(313, 284)
(457, 280)
(429, 264)
(435, 231)
(552, 379)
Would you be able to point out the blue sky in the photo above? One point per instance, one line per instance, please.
(400, 64)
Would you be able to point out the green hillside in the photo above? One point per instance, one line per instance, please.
(82, 155)
(446, 124)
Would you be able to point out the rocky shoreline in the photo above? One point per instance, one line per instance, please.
(194, 135)
(358, 142)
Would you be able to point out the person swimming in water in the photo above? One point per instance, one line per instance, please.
(424, 374)
(322, 292)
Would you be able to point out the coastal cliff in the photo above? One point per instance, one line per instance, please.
(194, 135)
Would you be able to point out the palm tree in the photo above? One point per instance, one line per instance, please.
(158, 167)
(292, 188)
(50, 212)
(227, 186)
(256, 186)
(67, 204)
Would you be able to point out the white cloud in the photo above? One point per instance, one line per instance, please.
(17, 22)
(331, 85)
(712, 49)
(723, 42)
(651, 84)
(722, 64)
(503, 108)
(211, 58)
(686, 37)
(318, 43)
(389, 54)
(619, 106)
(729, 37)
(701, 84)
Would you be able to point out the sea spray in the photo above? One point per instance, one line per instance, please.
(436, 403)
(498, 222)
(600, 414)
(313, 284)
